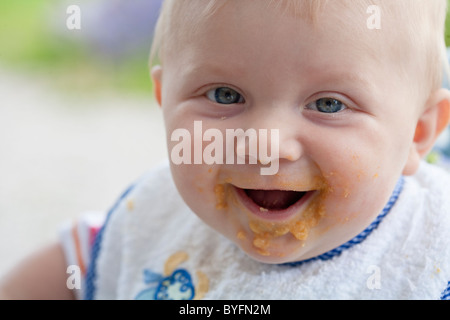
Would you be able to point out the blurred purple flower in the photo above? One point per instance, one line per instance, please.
(120, 28)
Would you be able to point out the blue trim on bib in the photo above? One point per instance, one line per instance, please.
(91, 273)
(445, 295)
(360, 237)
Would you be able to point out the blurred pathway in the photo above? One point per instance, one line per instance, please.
(61, 155)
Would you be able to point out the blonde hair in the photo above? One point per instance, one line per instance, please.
(423, 33)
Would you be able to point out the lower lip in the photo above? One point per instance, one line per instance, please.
(273, 215)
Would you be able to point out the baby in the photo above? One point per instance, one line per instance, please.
(296, 131)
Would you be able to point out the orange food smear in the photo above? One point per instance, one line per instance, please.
(221, 202)
(241, 235)
(265, 231)
(130, 204)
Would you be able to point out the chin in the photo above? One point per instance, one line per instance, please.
(279, 252)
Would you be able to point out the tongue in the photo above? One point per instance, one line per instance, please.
(274, 199)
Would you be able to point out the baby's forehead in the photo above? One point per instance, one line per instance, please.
(335, 19)
(408, 31)
(189, 19)
(193, 12)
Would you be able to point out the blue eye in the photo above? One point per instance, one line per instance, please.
(224, 95)
(327, 105)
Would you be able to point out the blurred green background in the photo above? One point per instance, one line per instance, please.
(447, 27)
(109, 51)
(78, 122)
(34, 38)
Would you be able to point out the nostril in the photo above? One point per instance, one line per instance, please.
(290, 150)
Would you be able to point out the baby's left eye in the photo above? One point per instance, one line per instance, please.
(225, 95)
(326, 105)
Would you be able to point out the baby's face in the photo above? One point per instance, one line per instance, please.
(345, 118)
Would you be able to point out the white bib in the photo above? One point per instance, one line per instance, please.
(154, 247)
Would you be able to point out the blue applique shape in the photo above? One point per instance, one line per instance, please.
(151, 277)
(147, 294)
(177, 286)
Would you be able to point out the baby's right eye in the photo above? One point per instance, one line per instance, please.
(327, 105)
(225, 95)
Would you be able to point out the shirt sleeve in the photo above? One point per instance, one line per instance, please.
(77, 238)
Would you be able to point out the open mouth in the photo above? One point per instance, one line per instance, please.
(274, 200)
(273, 204)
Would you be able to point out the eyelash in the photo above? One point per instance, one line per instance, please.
(211, 94)
(227, 93)
(314, 106)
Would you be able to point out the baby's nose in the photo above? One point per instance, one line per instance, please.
(290, 148)
(281, 141)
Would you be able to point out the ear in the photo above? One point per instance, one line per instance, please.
(156, 74)
(430, 125)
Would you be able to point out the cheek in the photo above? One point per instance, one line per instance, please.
(361, 156)
(204, 194)
(359, 189)
(195, 183)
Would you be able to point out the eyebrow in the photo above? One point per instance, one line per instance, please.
(214, 68)
(356, 86)
(351, 78)
(239, 69)
(359, 84)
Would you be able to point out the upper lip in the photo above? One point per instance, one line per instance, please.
(299, 182)
(275, 186)
(271, 188)
(273, 214)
